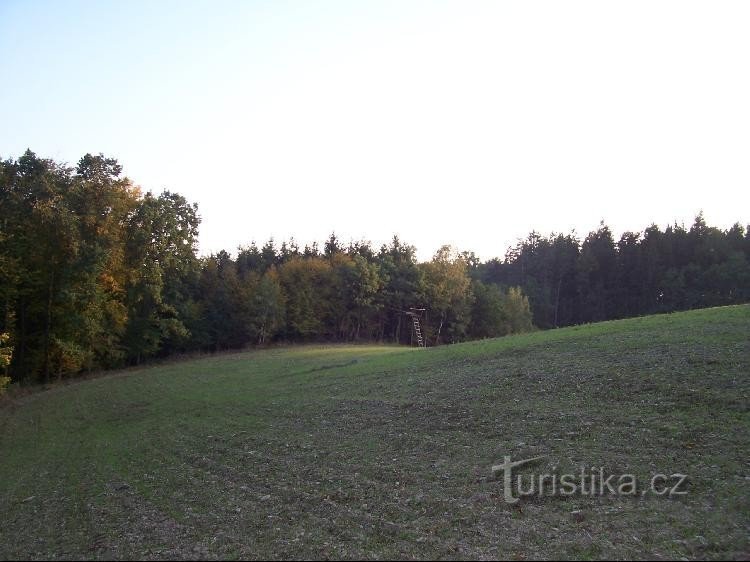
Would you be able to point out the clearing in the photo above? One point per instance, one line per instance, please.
(385, 452)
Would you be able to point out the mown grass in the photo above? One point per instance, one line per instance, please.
(383, 452)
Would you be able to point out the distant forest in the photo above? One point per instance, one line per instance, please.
(95, 274)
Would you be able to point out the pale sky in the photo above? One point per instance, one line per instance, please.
(465, 123)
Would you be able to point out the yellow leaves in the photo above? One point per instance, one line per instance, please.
(6, 353)
(447, 278)
(109, 283)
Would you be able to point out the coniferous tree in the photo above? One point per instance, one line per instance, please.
(94, 274)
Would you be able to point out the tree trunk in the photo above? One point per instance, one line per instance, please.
(22, 337)
(262, 334)
(48, 328)
(440, 327)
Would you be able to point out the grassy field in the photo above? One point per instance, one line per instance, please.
(381, 452)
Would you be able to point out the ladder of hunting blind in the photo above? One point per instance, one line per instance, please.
(418, 330)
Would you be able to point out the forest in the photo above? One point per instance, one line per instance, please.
(95, 274)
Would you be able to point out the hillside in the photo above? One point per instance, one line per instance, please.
(381, 452)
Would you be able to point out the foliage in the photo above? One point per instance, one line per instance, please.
(6, 354)
(448, 294)
(95, 274)
(571, 282)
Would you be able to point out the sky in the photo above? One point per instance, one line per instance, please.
(465, 123)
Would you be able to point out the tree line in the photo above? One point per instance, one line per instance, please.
(95, 274)
(571, 281)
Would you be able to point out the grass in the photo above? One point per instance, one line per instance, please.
(385, 452)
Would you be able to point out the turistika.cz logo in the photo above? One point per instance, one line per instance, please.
(592, 482)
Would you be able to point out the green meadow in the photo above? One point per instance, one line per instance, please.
(368, 451)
